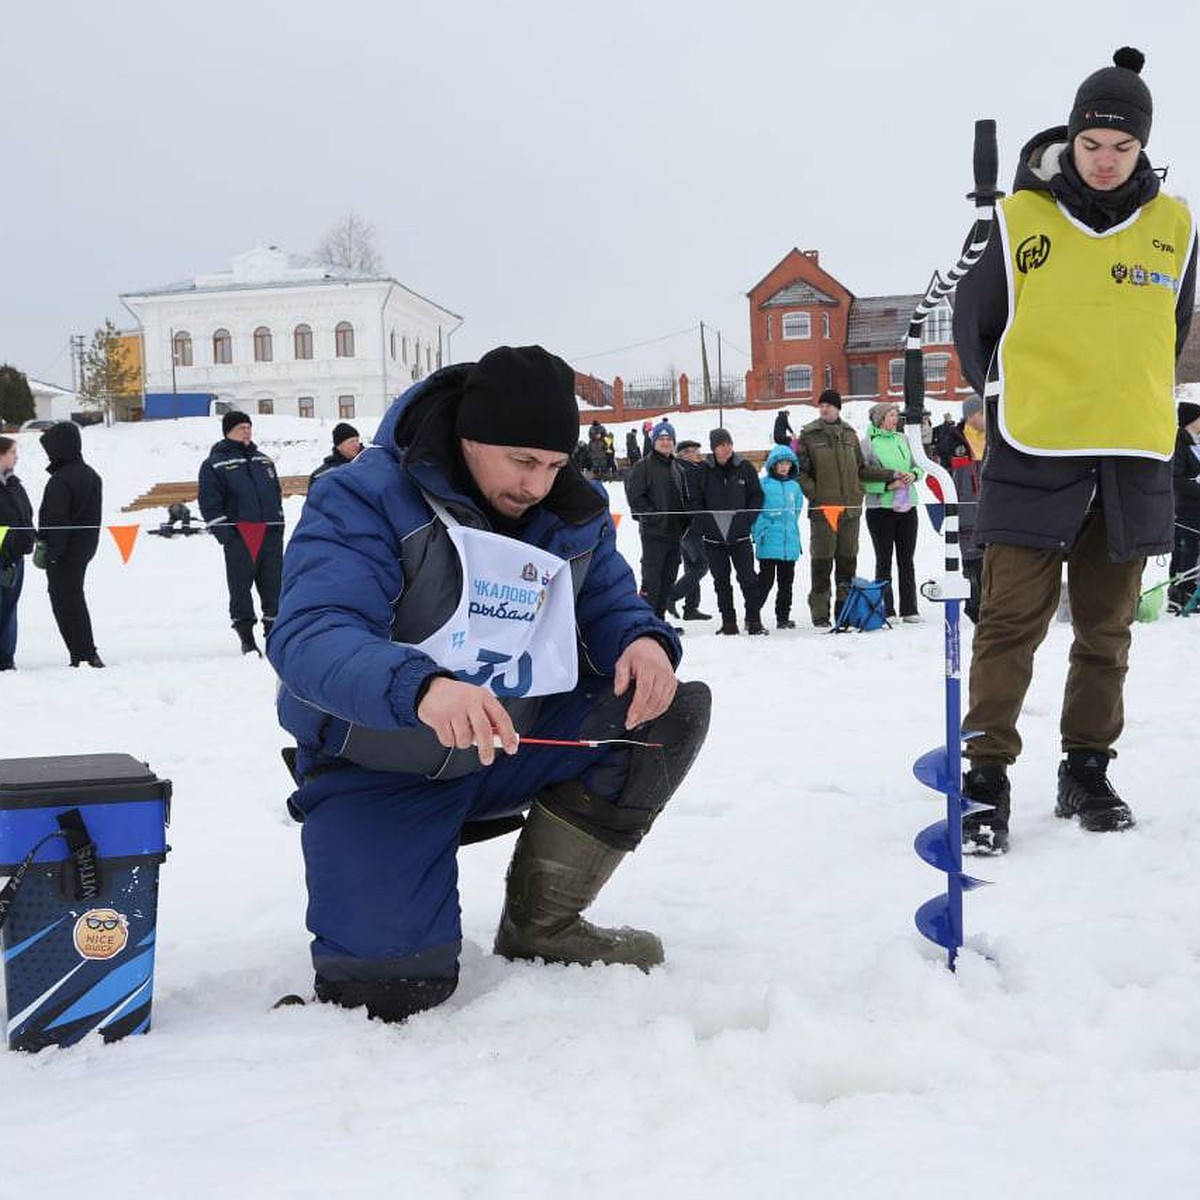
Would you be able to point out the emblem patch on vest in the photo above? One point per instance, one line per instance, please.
(1033, 252)
(1120, 272)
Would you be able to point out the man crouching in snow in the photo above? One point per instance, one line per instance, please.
(459, 588)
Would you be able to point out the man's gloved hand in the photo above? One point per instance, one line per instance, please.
(40, 554)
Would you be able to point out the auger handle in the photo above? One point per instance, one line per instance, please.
(986, 161)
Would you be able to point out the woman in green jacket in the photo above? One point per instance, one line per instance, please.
(892, 508)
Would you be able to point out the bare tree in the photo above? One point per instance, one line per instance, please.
(351, 243)
(108, 378)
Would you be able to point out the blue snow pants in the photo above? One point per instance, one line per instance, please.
(380, 847)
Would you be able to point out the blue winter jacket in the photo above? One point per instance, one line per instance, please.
(369, 573)
(238, 483)
(777, 527)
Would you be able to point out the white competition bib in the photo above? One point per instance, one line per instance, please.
(514, 628)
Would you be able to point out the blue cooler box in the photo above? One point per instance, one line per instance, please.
(81, 838)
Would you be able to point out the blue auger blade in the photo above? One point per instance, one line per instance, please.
(932, 845)
(933, 920)
(933, 770)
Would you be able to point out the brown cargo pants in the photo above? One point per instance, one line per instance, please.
(1021, 588)
(833, 552)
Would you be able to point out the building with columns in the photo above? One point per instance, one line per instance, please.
(278, 333)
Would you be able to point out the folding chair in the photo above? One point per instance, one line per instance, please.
(865, 607)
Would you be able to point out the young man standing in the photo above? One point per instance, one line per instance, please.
(1077, 373)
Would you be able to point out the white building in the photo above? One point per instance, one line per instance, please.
(284, 334)
(51, 402)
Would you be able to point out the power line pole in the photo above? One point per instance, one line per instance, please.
(78, 373)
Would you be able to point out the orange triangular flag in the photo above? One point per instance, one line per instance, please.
(833, 514)
(124, 536)
(253, 533)
(3, 533)
(616, 522)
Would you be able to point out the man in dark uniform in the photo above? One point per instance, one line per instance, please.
(240, 486)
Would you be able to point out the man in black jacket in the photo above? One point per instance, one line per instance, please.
(1070, 326)
(69, 528)
(656, 493)
(347, 446)
(691, 546)
(1185, 478)
(16, 514)
(729, 499)
(239, 484)
(783, 433)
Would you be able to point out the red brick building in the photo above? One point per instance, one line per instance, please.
(808, 331)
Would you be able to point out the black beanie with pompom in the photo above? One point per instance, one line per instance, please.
(1114, 98)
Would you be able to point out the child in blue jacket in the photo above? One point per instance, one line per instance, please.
(777, 531)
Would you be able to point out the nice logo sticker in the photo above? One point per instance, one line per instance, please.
(101, 933)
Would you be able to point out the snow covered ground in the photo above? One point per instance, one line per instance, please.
(802, 1039)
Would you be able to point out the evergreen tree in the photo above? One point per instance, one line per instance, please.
(16, 400)
(107, 377)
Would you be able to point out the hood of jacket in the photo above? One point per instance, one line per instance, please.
(418, 432)
(777, 454)
(62, 444)
(1046, 165)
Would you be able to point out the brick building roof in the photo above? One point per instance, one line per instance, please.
(798, 293)
(879, 322)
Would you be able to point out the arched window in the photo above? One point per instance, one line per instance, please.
(262, 344)
(222, 347)
(182, 347)
(266, 406)
(797, 378)
(302, 341)
(343, 336)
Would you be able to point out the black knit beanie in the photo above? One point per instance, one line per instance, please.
(520, 396)
(232, 419)
(718, 437)
(1114, 98)
(829, 396)
(342, 431)
(1188, 412)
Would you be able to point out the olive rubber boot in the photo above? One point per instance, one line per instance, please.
(556, 872)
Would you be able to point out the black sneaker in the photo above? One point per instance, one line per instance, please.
(1084, 792)
(694, 614)
(729, 625)
(986, 831)
(756, 627)
(784, 623)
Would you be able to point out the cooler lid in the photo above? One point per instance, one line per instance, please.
(65, 770)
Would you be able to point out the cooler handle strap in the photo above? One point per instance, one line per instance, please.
(83, 856)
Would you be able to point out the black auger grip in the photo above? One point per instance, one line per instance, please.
(986, 161)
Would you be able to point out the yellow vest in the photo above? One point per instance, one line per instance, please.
(1087, 360)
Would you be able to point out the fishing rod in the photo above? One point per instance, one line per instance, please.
(940, 844)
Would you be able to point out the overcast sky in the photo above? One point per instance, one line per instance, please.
(587, 176)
